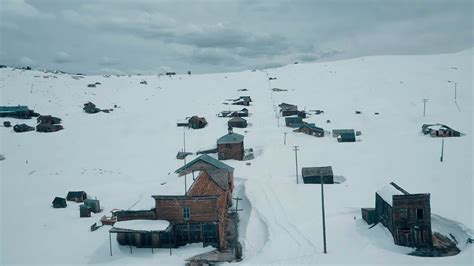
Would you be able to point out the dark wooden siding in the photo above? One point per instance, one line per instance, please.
(231, 151)
(202, 209)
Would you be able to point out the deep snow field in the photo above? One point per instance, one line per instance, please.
(127, 155)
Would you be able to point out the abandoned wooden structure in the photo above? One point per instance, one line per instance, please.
(230, 146)
(407, 216)
(439, 130)
(93, 205)
(310, 129)
(90, 108)
(368, 214)
(48, 119)
(77, 196)
(287, 109)
(59, 202)
(196, 122)
(294, 121)
(238, 122)
(344, 135)
(314, 175)
(19, 111)
(19, 128)
(84, 211)
(198, 216)
(47, 127)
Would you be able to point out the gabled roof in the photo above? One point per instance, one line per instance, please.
(220, 177)
(311, 126)
(59, 200)
(237, 119)
(207, 159)
(75, 194)
(230, 138)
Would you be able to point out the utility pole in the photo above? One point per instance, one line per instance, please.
(185, 176)
(455, 88)
(284, 139)
(424, 106)
(295, 148)
(442, 150)
(322, 204)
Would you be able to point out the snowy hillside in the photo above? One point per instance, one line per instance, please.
(125, 156)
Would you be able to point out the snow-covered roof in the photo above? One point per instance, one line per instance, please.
(142, 225)
(387, 192)
(230, 138)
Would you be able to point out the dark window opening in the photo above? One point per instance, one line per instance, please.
(403, 214)
(186, 213)
(419, 214)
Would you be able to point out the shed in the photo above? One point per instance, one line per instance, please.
(93, 205)
(294, 121)
(90, 108)
(19, 111)
(344, 135)
(197, 122)
(22, 128)
(237, 122)
(59, 202)
(7, 124)
(48, 119)
(368, 214)
(77, 196)
(46, 127)
(84, 211)
(312, 175)
(231, 146)
(439, 130)
(310, 129)
(287, 109)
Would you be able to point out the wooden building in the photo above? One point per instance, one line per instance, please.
(84, 211)
(48, 119)
(287, 109)
(17, 112)
(294, 121)
(196, 122)
(237, 122)
(439, 130)
(93, 205)
(59, 202)
(407, 216)
(230, 146)
(310, 129)
(47, 127)
(77, 196)
(313, 175)
(344, 135)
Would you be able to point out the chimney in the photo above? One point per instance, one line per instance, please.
(230, 130)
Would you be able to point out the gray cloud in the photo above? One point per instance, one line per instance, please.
(120, 36)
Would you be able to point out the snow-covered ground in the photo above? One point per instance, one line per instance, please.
(127, 155)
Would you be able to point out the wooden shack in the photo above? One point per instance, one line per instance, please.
(407, 216)
(77, 196)
(368, 214)
(84, 211)
(47, 127)
(439, 130)
(93, 205)
(59, 202)
(287, 109)
(344, 135)
(294, 121)
(48, 119)
(196, 122)
(313, 175)
(310, 129)
(230, 146)
(238, 122)
(19, 111)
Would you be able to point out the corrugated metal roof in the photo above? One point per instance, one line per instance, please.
(230, 138)
(208, 159)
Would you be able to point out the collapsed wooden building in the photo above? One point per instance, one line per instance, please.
(407, 216)
(344, 135)
(310, 129)
(176, 220)
(439, 130)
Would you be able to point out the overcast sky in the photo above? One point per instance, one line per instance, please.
(151, 36)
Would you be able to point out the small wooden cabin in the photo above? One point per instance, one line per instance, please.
(314, 175)
(84, 211)
(344, 135)
(287, 109)
(407, 216)
(294, 121)
(59, 202)
(47, 127)
(93, 205)
(77, 196)
(48, 119)
(310, 129)
(16, 112)
(230, 146)
(196, 122)
(238, 122)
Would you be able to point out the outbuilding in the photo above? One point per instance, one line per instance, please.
(310, 129)
(59, 202)
(230, 146)
(93, 205)
(196, 122)
(237, 122)
(77, 196)
(314, 175)
(84, 211)
(439, 130)
(344, 135)
(294, 121)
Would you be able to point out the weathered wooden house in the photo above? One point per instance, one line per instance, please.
(439, 130)
(17, 112)
(237, 122)
(230, 146)
(77, 196)
(407, 216)
(287, 109)
(59, 202)
(294, 121)
(310, 129)
(344, 135)
(196, 122)
(314, 175)
(84, 211)
(198, 216)
(93, 205)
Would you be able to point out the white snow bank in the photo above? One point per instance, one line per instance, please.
(145, 225)
(387, 192)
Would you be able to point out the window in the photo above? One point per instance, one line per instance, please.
(419, 214)
(403, 214)
(186, 213)
(228, 146)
